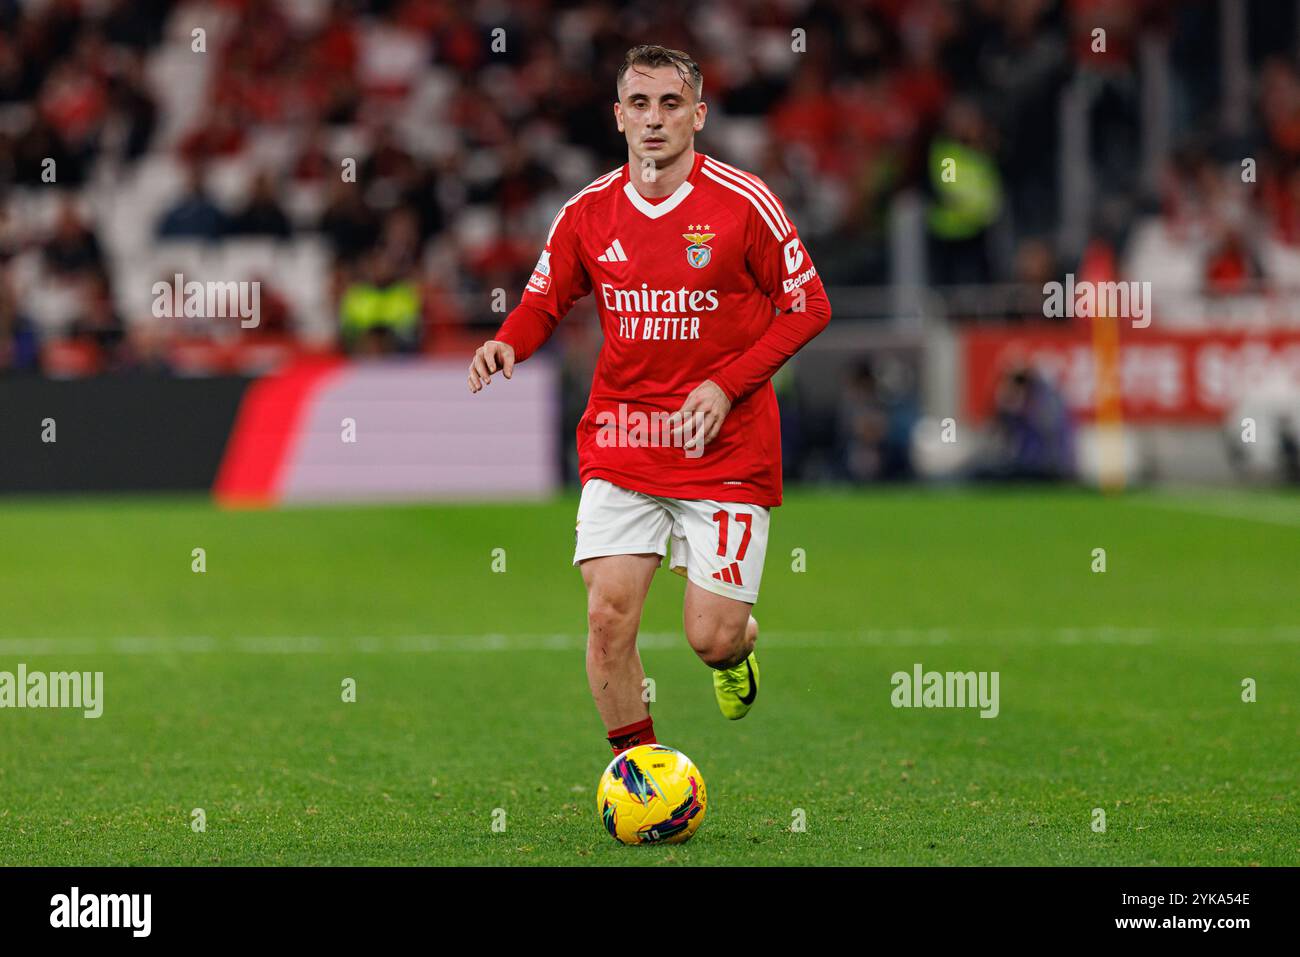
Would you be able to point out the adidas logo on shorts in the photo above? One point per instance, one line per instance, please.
(730, 574)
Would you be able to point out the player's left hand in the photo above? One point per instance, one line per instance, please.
(702, 412)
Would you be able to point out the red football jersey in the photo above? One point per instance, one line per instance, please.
(711, 282)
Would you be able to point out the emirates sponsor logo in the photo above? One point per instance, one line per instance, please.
(658, 302)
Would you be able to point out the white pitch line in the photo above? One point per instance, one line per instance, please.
(1243, 509)
(570, 642)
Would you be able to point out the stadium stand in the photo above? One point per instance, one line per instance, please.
(368, 158)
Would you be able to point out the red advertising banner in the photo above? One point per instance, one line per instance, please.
(1192, 377)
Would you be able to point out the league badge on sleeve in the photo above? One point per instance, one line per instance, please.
(540, 280)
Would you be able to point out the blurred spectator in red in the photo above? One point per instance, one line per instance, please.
(806, 115)
(335, 47)
(221, 135)
(503, 262)
(1280, 199)
(314, 163)
(73, 99)
(1114, 50)
(1279, 104)
(459, 42)
(1231, 267)
(444, 319)
(275, 316)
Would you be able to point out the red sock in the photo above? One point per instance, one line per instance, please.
(629, 736)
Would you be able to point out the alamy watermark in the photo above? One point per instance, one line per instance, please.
(1088, 300)
(946, 689)
(75, 909)
(634, 429)
(179, 299)
(54, 689)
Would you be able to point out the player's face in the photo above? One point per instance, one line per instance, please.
(658, 113)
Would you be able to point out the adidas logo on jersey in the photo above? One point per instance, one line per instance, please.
(614, 254)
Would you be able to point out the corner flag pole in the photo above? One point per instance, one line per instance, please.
(1099, 267)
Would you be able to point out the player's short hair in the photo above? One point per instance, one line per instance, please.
(653, 55)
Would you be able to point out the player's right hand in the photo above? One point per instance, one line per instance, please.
(489, 357)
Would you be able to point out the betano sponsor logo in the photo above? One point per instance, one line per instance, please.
(634, 429)
(790, 285)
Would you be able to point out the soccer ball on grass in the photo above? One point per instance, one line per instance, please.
(651, 794)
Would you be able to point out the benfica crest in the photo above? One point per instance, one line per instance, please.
(698, 252)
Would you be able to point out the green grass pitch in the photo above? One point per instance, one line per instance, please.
(1119, 690)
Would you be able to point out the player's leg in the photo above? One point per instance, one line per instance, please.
(616, 590)
(720, 630)
(620, 540)
(722, 546)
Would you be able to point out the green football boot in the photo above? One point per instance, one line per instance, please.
(736, 688)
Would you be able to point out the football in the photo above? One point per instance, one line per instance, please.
(651, 794)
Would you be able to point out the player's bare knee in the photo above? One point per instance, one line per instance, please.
(722, 656)
(721, 646)
(611, 619)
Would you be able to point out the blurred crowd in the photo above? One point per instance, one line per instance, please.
(388, 168)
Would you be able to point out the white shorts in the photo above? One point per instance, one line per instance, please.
(719, 545)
